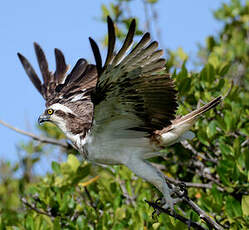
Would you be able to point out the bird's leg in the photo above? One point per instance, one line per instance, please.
(148, 172)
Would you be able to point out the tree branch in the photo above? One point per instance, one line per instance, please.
(191, 148)
(210, 221)
(193, 185)
(33, 207)
(34, 137)
(181, 192)
(183, 219)
(188, 184)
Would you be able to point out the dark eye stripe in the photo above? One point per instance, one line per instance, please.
(60, 113)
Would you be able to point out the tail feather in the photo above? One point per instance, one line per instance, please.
(192, 116)
(178, 130)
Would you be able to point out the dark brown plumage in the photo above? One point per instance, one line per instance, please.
(83, 76)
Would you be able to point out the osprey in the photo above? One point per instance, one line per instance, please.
(121, 112)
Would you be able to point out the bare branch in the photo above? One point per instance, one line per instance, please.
(193, 185)
(34, 137)
(90, 198)
(33, 207)
(188, 184)
(245, 142)
(183, 219)
(181, 192)
(209, 220)
(191, 148)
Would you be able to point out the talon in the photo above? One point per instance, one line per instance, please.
(180, 190)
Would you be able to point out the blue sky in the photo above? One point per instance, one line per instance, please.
(67, 25)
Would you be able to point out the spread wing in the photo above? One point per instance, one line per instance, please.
(133, 91)
(60, 86)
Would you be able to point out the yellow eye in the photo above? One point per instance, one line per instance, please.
(50, 111)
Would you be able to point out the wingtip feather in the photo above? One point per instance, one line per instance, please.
(97, 55)
(30, 72)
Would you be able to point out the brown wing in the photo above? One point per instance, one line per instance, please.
(60, 87)
(134, 86)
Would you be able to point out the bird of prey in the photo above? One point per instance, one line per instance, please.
(119, 112)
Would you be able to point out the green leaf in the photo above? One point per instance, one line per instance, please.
(223, 69)
(29, 222)
(202, 136)
(233, 207)
(73, 162)
(226, 149)
(208, 73)
(211, 129)
(182, 55)
(56, 167)
(105, 11)
(245, 205)
(155, 226)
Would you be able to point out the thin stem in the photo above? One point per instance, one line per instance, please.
(34, 137)
(33, 207)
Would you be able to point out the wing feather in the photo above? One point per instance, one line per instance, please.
(31, 73)
(97, 56)
(61, 66)
(141, 44)
(111, 41)
(60, 87)
(136, 87)
(127, 43)
(77, 71)
(43, 64)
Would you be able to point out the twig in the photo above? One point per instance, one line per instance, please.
(191, 148)
(183, 195)
(90, 198)
(33, 207)
(245, 143)
(188, 184)
(193, 185)
(210, 221)
(177, 216)
(34, 137)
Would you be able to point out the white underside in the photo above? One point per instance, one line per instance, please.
(118, 146)
(113, 143)
(108, 149)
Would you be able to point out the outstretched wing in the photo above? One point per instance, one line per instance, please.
(133, 92)
(58, 86)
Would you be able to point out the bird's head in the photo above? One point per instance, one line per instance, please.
(70, 118)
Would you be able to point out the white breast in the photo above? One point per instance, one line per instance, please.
(111, 146)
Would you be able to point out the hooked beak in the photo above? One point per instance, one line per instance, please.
(43, 118)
